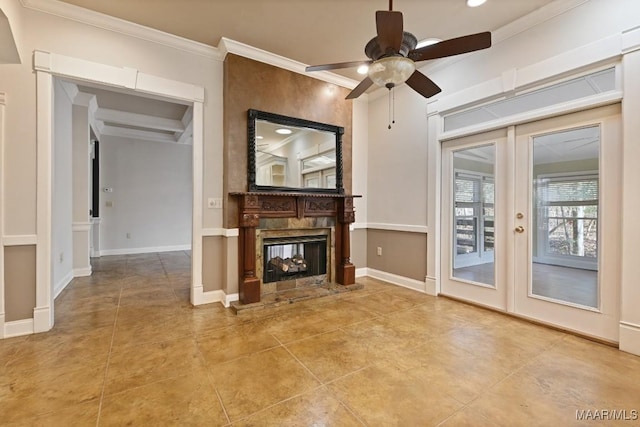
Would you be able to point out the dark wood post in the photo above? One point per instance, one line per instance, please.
(345, 271)
(249, 220)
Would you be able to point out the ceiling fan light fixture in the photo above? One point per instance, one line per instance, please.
(391, 71)
(363, 69)
(475, 3)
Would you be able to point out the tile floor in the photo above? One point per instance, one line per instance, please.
(128, 349)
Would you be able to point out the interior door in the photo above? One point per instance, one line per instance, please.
(567, 229)
(473, 233)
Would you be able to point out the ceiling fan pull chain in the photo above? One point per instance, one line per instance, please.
(393, 106)
(389, 110)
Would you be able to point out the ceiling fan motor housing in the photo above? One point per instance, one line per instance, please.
(374, 52)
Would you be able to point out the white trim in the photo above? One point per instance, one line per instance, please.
(110, 23)
(362, 272)
(210, 297)
(2, 239)
(398, 227)
(197, 184)
(228, 299)
(59, 287)
(358, 226)
(224, 232)
(18, 328)
(82, 272)
(17, 240)
(43, 311)
(630, 338)
(405, 282)
(231, 46)
(81, 226)
(146, 250)
(601, 51)
(48, 65)
(431, 286)
(631, 40)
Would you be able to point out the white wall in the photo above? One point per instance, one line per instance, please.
(62, 243)
(397, 167)
(151, 198)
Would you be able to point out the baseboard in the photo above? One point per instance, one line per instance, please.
(405, 282)
(200, 297)
(362, 272)
(82, 272)
(630, 338)
(95, 254)
(130, 251)
(431, 286)
(18, 328)
(2, 332)
(42, 319)
(62, 283)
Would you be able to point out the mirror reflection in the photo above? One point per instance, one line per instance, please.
(294, 157)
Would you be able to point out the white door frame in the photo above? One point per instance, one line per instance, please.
(49, 65)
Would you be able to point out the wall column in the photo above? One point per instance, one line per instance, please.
(81, 158)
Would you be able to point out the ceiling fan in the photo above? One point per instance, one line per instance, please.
(392, 56)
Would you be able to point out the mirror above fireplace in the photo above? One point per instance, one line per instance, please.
(291, 154)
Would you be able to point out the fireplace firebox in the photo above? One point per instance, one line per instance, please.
(291, 258)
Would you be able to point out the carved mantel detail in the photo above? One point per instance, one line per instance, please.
(254, 206)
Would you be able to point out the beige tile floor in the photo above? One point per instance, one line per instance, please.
(128, 349)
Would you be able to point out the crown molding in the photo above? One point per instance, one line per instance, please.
(231, 46)
(520, 25)
(117, 25)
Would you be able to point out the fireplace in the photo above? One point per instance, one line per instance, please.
(294, 258)
(267, 215)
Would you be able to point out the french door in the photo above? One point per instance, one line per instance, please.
(529, 220)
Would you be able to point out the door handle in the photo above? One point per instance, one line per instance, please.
(519, 229)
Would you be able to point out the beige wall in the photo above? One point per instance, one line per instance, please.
(251, 84)
(359, 247)
(212, 263)
(19, 282)
(403, 253)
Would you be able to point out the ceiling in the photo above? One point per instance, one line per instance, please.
(311, 32)
(135, 117)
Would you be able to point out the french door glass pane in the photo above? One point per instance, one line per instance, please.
(473, 215)
(566, 194)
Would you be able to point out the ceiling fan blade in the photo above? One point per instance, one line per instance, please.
(360, 89)
(337, 66)
(423, 84)
(390, 30)
(452, 47)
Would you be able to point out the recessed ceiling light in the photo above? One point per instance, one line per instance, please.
(283, 131)
(363, 69)
(427, 42)
(475, 3)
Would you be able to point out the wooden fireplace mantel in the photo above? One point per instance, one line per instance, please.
(256, 205)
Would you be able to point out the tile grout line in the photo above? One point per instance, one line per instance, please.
(106, 370)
